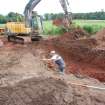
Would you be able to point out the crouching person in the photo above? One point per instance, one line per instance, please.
(58, 60)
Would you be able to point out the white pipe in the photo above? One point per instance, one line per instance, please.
(88, 86)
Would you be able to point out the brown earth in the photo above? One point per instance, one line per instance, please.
(50, 91)
(26, 80)
(84, 55)
(100, 34)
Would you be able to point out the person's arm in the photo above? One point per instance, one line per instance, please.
(47, 59)
(53, 58)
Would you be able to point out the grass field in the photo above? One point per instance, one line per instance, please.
(2, 25)
(91, 26)
(49, 28)
(90, 22)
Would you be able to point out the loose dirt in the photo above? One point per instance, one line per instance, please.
(84, 55)
(26, 80)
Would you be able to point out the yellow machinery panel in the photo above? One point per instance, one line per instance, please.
(17, 27)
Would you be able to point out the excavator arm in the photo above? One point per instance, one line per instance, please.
(28, 11)
(33, 3)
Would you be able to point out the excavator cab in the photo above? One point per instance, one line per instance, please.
(36, 26)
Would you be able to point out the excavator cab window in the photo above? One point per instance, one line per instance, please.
(34, 22)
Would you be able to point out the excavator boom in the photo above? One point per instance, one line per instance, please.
(28, 11)
(33, 3)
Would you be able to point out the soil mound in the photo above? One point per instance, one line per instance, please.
(74, 34)
(100, 34)
(90, 52)
(50, 91)
(19, 63)
(100, 37)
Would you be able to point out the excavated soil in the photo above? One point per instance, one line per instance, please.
(26, 80)
(84, 55)
(50, 91)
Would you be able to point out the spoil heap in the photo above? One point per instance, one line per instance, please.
(26, 80)
(86, 53)
(50, 91)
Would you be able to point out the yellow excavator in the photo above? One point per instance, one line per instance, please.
(32, 25)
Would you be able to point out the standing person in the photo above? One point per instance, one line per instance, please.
(57, 59)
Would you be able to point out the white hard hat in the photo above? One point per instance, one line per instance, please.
(52, 52)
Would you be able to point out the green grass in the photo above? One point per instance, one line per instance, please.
(2, 25)
(51, 29)
(89, 22)
(91, 26)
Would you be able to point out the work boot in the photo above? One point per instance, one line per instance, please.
(62, 73)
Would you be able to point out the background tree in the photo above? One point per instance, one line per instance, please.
(2, 19)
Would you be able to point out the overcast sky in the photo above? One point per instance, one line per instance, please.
(52, 6)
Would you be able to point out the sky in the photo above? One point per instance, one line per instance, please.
(52, 6)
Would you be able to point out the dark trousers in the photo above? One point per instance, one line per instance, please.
(60, 65)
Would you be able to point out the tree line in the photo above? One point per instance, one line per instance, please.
(11, 17)
(89, 16)
(51, 16)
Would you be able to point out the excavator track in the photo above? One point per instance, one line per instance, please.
(16, 39)
(36, 38)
